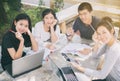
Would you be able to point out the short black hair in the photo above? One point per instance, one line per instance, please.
(85, 5)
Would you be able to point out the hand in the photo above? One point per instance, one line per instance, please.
(19, 36)
(75, 65)
(85, 51)
(28, 31)
(95, 37)
(50, 46)
(53, 23)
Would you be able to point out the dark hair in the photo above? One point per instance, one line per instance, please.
(106, 18)
(21, 16)
(106, 22)
(85, 5)
(46, 12)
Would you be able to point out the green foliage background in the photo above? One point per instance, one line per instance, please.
(33, 12)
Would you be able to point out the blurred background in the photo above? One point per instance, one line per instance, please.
(10, 8)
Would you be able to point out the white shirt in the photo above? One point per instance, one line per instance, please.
(41, 35)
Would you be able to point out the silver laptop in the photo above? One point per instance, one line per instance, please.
(56, 70)
(63, 73)
(27, 63)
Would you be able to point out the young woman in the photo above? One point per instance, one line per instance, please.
(47, 30)
(110, 70)
(15, 39)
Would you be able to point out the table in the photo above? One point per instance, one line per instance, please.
(61, 62)
(45, 73)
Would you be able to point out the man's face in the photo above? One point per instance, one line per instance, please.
(85, 16)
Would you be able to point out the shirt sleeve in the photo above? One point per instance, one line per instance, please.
(7, 42)
(76, 25)
(57, 31)
(37, 30)
(27, 42)
(37, 33)
(100, 52)
(110, 59)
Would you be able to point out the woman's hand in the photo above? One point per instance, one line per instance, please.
(28, 32)
(19, 36)
(50, 46)
(53, 23)
(95, 37)
(77, 66)
(86, 51)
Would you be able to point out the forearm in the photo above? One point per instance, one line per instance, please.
(54, 37)
(19, 51)
(77, 66)
(81, 69)
(33, 42)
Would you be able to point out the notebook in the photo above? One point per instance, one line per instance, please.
(26, 64)
(63, 73)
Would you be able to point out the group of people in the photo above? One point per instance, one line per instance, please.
(86, 26)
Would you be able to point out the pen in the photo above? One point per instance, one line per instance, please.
(12, 31)
(92, 28)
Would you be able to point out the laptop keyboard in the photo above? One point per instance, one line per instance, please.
(69, 74)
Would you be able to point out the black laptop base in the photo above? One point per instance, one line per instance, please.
(68, 74)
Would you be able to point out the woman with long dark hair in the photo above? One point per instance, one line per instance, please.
(15, 39)
(47, 30)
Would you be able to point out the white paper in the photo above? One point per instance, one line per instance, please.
(74, 48)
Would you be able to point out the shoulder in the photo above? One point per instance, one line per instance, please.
(95, 19)
(115, 46)
(78, 21)
(115, 49)
(39, 24)
(8, 36)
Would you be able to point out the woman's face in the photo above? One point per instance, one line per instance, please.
(48, 19)
(21, 26)
(104, 35)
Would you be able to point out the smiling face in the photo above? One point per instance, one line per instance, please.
(85, 16)
(48, 19)
(104, 35)
(21, 26)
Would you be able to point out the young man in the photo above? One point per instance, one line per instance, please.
(85, 24)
